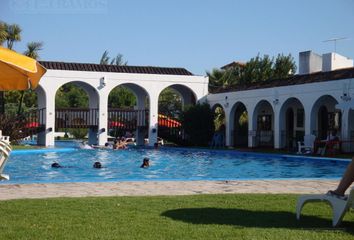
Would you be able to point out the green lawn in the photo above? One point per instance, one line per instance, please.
(240, 216)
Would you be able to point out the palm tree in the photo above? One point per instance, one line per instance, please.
(13, 34)
(105, 58)
(216, 78)
(32, 51)
(3, 33)
(118, 60)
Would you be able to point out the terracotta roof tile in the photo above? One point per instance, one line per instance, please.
(114, 68)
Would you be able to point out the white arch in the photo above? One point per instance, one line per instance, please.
(327, 100)
(231, 122)
(91, 91)
(263, 136)
(256, 109)
(139, 92)
(293, 103)
(186, 93)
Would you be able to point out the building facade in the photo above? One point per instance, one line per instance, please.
(99, 80)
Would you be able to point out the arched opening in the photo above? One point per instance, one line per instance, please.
(322, 122)
(325, 117)
(239, 121)
(76, 111)
(218, 139)
(291, 123)
(263, 122)
(172, 101)
(23, 114)
(128, 106)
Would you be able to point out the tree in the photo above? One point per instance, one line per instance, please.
(121, 97)
(105, 58)
(216, 78)
(284, 66)
(198, 124)
(13, 34)
(32, 49)
(118, 60)
(3, 33)
(71, 96)
(170, 103)
(257, 69)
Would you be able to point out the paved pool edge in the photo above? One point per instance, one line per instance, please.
(158, 188)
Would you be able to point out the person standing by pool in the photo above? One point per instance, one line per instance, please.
(345, 182)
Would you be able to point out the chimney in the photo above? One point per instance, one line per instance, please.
(309, 62)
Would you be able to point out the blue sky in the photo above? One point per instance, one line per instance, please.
(196, 34)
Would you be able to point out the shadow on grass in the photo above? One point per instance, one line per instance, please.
(248, 218)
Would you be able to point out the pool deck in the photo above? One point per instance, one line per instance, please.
(157, 188)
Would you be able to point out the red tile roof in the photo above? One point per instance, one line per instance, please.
(293, 80)
(114, 68)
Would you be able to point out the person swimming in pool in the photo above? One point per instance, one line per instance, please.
(97, 165)
(146, 163)
(56, 165)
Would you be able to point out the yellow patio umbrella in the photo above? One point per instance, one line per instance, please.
(18, 72)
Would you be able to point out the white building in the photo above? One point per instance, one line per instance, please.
(99, 80)
(279, 112)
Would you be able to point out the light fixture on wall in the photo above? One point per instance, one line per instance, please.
(226, 104)
(345, 97)
(103, 81)
(276, 101)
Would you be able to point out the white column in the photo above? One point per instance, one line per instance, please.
(140, 132)
(276, 128)
(251, 129)
(228, 129)
(102, 118)
(308, 120)
(46, 137)
(345, 125)
(153, 120)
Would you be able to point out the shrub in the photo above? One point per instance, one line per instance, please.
(78, 133)
(13, 126)
(198, 123)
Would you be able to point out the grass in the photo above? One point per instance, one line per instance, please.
(237, 216)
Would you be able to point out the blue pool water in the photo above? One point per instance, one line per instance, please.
(166, 164)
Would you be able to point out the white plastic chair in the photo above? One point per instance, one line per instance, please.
(5, 150)
(307, 145)
(339, 206)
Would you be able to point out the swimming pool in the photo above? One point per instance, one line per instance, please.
(166, 164)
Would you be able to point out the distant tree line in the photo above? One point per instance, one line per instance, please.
(256, 70)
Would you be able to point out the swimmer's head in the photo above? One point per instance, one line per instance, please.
(97, 165)
(56, 165)
(106, 144)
